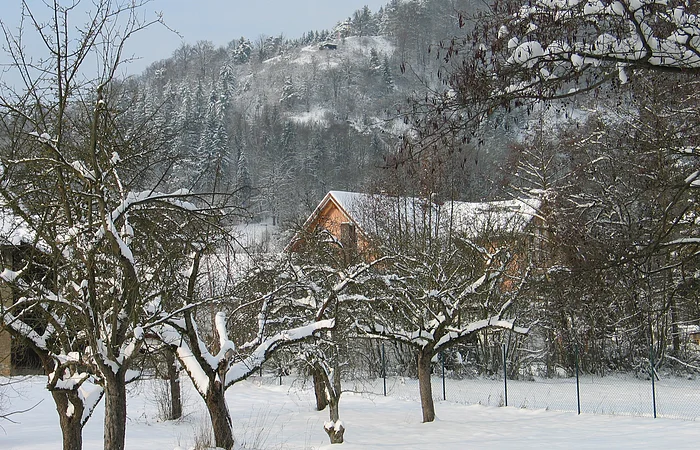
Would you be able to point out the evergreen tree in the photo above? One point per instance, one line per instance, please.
(244, 184)
(243, 52)
(387, 77)
(290, 94)
(375, 65)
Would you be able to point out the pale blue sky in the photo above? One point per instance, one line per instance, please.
(218, 21)
(221, 21)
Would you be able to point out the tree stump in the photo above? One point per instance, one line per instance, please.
(335, 431)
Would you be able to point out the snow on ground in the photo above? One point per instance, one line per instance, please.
(621, 394)
(256, 236)
(353, 45)
(282, 417)
(315, 116)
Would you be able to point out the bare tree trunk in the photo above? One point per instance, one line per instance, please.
(675, 334)
(425, 387)
(220, 417)
(174, 382)
(71, 426)
(319, 388)
(115, 411)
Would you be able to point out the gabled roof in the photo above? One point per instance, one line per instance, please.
(372, 212)
(503, 216)
(15, 232)
(348, 203)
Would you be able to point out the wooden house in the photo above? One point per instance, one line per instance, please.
(15, 238)
(354, 220)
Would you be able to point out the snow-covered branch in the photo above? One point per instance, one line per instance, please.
(555, 41)
(262, 352)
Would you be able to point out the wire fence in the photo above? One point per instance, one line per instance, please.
(656, 393)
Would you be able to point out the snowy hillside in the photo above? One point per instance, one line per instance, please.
(276, 116)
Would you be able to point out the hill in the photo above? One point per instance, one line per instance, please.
(283, 121)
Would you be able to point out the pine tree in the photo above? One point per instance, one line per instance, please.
(290, 94)
(387, 77)
(244, 184)
(375, 65)
(243, 52)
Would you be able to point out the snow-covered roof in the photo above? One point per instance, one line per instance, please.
(13, 230)
(371, 213)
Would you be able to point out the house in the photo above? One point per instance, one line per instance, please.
(691, 333)
(328, 46)
(694, 336)
(15, 238)
(354, 219)
(340, 215)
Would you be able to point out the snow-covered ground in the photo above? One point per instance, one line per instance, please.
(283, 417)
(676, 397)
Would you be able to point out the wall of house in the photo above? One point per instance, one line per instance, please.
(332, 219)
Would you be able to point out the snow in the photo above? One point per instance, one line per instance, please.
(9, 275)
(15, 230)
(335, 426)
(171, 337)
(254, 236)
(352, 45)
(469, 218)
(226, 346)
(283, 417)
(91, 395)
(242, 369)
(316, 115)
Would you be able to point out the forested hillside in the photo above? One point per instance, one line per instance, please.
(285, 120)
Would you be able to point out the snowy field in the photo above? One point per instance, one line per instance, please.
(282, 417)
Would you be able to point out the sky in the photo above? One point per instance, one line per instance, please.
(218, 21)
(221, 21)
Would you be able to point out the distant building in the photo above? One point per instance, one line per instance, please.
(328, 46)
(15, 239)
(354, 219)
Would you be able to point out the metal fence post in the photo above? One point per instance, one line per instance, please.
(652, 373)
(444, 395)
(505, 377)
(384, 368)
(578, 390)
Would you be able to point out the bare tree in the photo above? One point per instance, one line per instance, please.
(330, 274)
(215, 367)
(85, 187)
(453, 272)
(516, 54)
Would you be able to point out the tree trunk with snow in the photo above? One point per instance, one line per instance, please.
(71, 423)
(332, 390)
(115, 411)
(220, 417)
(424, 385)
(334, 427)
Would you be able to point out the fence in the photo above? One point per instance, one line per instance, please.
(665, 394)
(656, 394)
